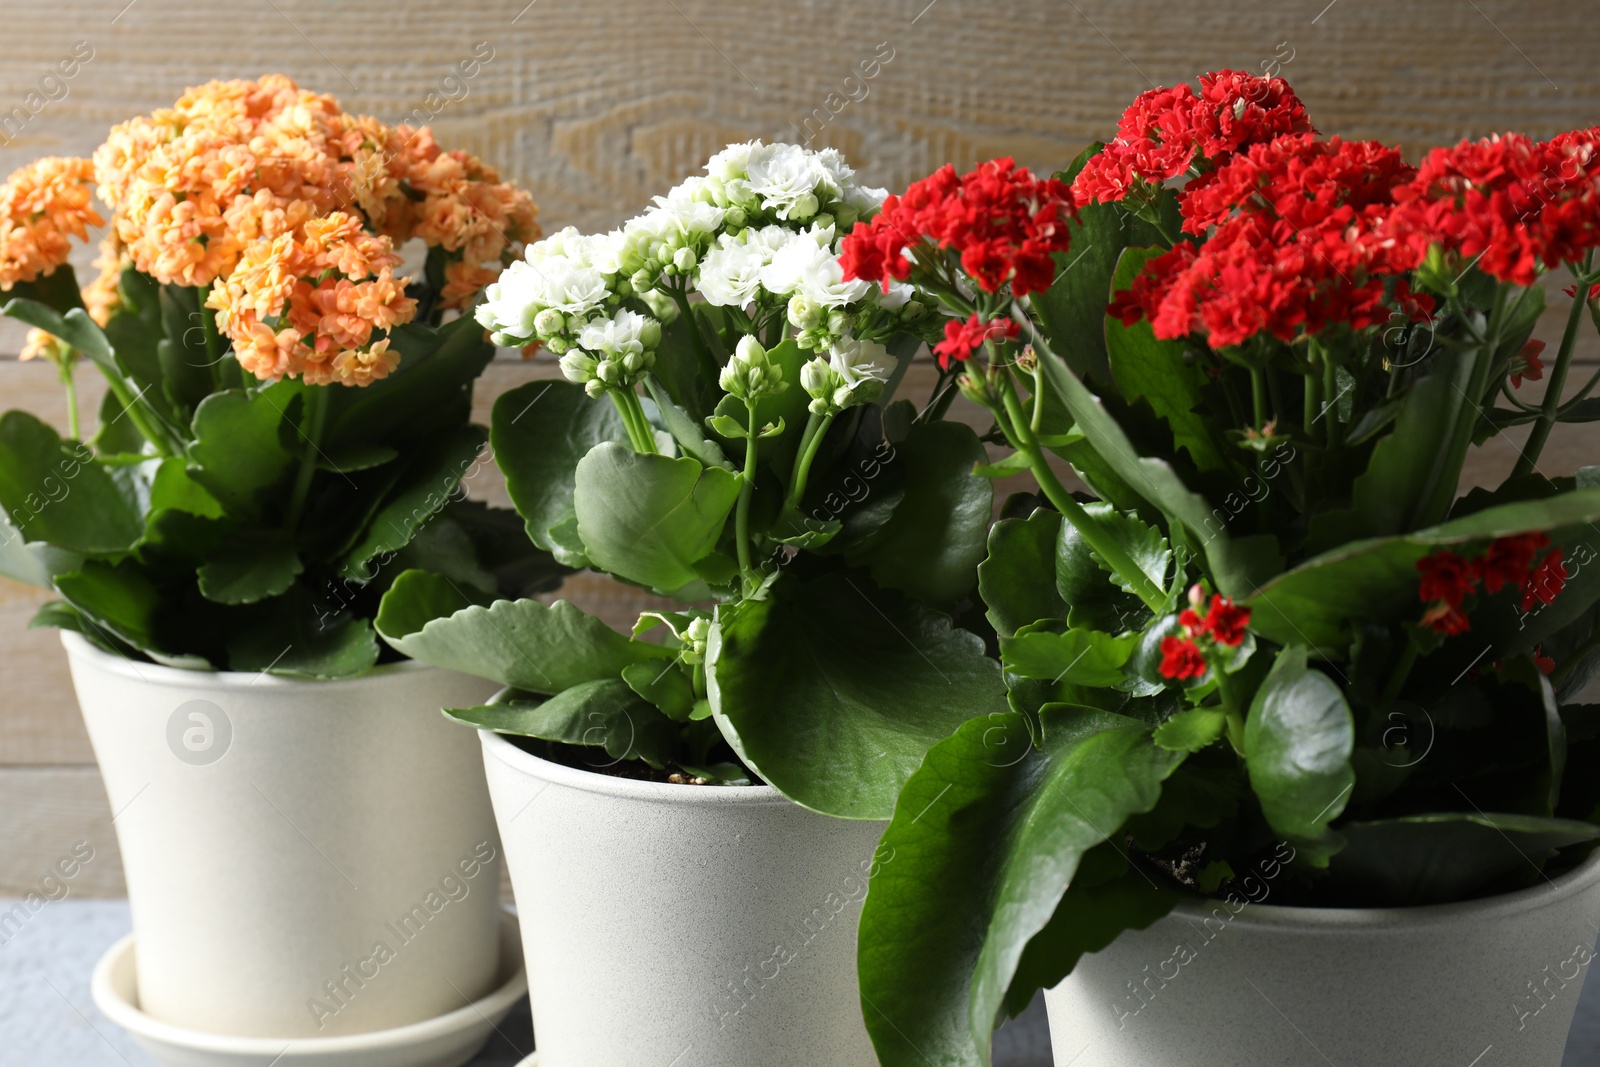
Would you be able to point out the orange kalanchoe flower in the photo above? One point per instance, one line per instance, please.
(43, 206)
(307, 304)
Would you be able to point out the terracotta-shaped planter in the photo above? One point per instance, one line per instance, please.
(1241, 984)
(303, 859)
(676, 925)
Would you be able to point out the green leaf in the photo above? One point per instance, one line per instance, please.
(833, 690)
(55, 492)
(650, 519)
(120, 598)
(417, 597)
(184, 361)
(294, 641)
(1077, 657)
(74, 327)
(523, 643)
(430, 391)
(240, 448)
(1238, 565)
(986, 838)
(684, 429)
(539, 432)
(603, 713)
(1376, 579)
(1414, 471)
(1190, 731)
(932, 545)
(427, 485)
(1017, 582)
(250, 569)
(174, 489)
(1444, 857)
(57, 290)
(357, 458)
(1157, 372)
(663, 684)
(1298, 739)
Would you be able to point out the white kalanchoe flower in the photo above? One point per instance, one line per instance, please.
(854, 373)
(613, 353)
(787, 179)
(751, 375)
(730, 274)
(567, 273)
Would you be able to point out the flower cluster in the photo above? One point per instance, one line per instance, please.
(192, 187)
(964, 337)
(43, 206)
(1223, 625)
(1511, 205)
(307, 304)
(759, 233)
(1003, 224)
(1163, 132)
(1297, 244)
(1447, 579)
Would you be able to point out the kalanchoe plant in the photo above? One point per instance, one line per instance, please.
(236, 507)
(741, 452)
(1282, 629)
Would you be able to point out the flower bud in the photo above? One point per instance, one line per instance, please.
(578, 366)
(549, 322)
(1197, 596)
(684, 260)
(804, 314)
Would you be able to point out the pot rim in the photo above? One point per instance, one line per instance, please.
(626, 788)
(1341, 921)
(183, 677)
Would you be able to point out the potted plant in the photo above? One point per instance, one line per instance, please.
(659, 791)
(1292, 766)
(286, 429)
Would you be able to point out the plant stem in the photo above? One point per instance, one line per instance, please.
(1258, 395)
(741, 528)
(311, 424)
(810, 443)
(1013, 423)
(1330, 400)
(65, 369)
(1558, 381)
(208, 325)
(1402, 671)
(640, 435)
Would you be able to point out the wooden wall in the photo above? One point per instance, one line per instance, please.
(596, 105)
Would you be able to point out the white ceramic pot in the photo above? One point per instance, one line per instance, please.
(1484, 983)
(303, 859)
(675, 925)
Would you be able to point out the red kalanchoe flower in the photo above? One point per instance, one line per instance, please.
(962, 338)
(1545, 582)
(1227, 620)
(1181, 658)
(1192, 623)
(1004, 224)
(1506, 203)
(1572, 291)
(1447, 577)
(1509, 559)
(1163, 130)
(1445, 619)
(1545, 664)
(1527, 366)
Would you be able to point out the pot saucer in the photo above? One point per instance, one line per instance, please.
(447, 1040)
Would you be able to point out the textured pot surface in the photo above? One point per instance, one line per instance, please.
(303, 859)
(674, 925)
(1480, 983)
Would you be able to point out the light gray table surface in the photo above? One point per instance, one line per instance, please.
(48, 1020)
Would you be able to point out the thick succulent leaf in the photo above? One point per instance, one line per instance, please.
(999, 828)
(1076, 656)
(428, 484)
(833, 690)
(1192, 730)
(54, 492)
(651, 519)
(603, 713)
(294, 641)
(1444, 857)
(246, 444)
(1376, 579)
(539, 432)
(932, 545)
(1298, 738)
(533, 646)
(250, 569)
(1157, 372)
(430, 391)
(1018, 579)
